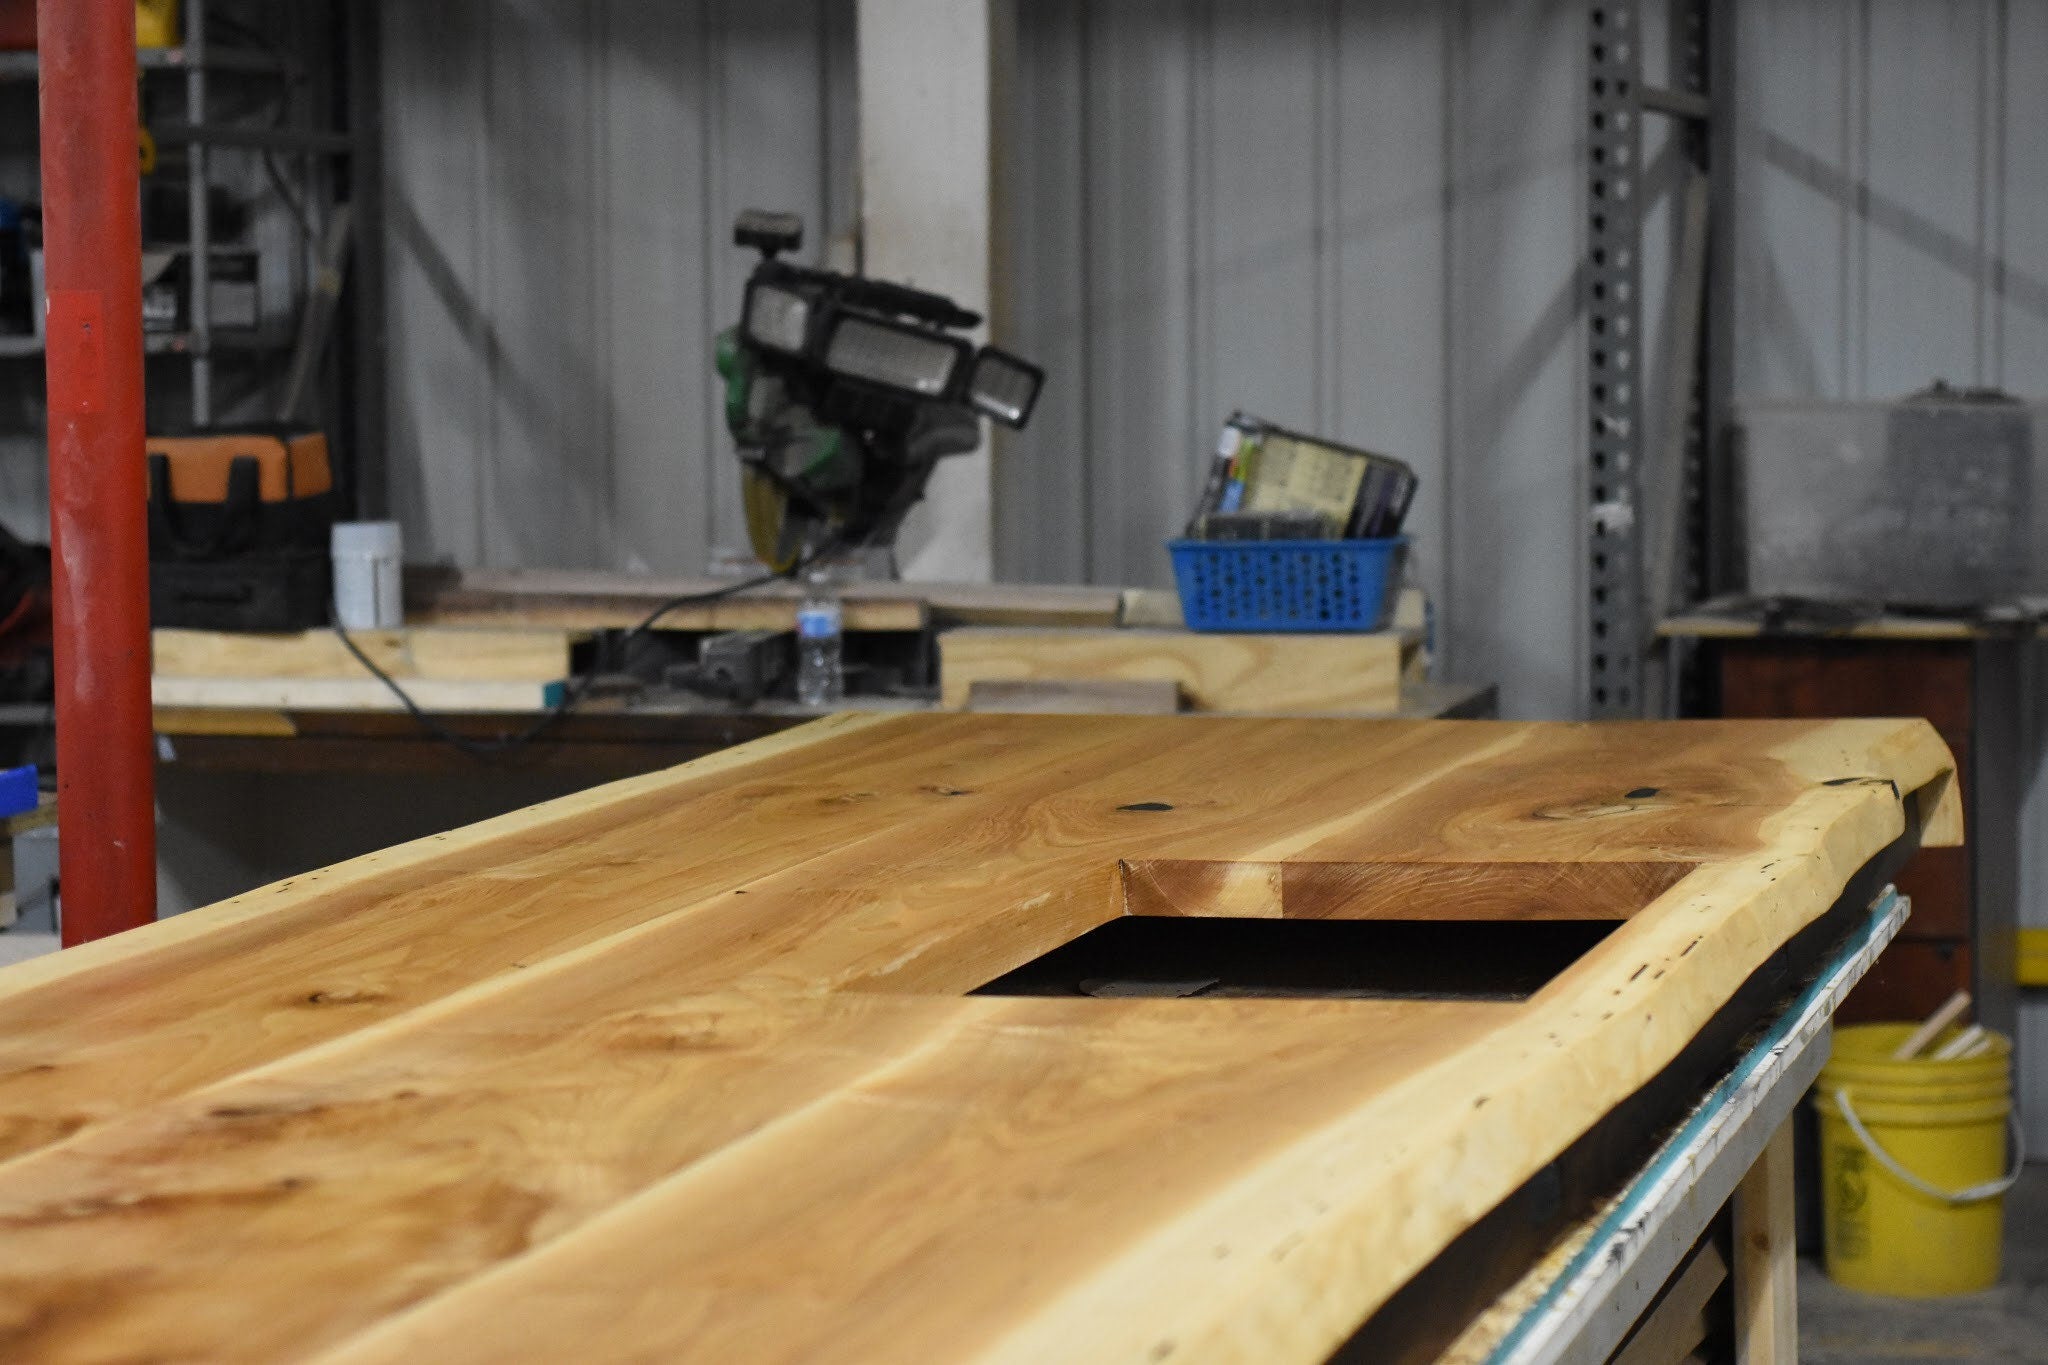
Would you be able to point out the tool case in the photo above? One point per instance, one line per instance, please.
(239, 523)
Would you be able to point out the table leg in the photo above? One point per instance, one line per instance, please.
(1766, 1265)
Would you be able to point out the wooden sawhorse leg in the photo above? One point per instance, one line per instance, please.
(1766, 1259)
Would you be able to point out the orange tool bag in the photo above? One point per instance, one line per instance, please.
(238, 529)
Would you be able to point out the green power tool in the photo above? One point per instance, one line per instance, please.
(842, 393)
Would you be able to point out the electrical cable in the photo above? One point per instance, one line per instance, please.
(576, 688)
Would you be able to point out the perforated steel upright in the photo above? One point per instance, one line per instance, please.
(1613, 302)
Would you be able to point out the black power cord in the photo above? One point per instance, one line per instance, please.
(576, 688)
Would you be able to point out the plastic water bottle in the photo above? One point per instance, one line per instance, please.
(820, 678)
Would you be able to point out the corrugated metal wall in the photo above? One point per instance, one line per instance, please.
(1891, 198)
(1362, 218)
(562, 177)
(1358, 218)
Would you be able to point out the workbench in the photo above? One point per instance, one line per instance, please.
(935, 1037)
(488, 652)
(1976, 679)
(604, 739)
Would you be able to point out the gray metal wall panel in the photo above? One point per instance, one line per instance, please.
(658, 307)
(1796, 252)
(1517, 353)
(1142, 83)
(563, 178)
(1389, 246)
(1218, 205)
(2017, 347)
(438, 322)
(547, 481)
(1042, 476)
(1263, 117)
(1921, 212)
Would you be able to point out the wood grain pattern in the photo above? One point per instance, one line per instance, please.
(1267, 674)
(684, 1067)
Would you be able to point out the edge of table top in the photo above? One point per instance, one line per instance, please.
(1331, 1246)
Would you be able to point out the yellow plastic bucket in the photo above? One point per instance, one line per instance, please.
(1913, 1163)
(156, 23)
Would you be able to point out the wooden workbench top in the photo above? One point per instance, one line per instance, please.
(687, 1066)
(1736, 617)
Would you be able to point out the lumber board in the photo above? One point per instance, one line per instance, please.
(594, 600)
(1703, 626)
(1767, 1259)
(1020, 604)
(218, 720)
(42, 815)
(1160, 609)
(1059, 696)
(1151, 608)
(1735, 618)
(751, 611)
(363, 693)
(689, 1066)
(1677, 1323)
(1258, 674)
(453, 654)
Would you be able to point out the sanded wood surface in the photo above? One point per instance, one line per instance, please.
(1272, 673)
(685, 1067)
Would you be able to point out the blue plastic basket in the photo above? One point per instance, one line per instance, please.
(1329, 585)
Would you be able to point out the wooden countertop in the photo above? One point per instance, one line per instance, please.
(686, 1066)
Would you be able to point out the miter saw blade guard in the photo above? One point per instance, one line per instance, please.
(842, 393)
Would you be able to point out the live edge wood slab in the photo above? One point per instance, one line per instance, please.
(687, 1067)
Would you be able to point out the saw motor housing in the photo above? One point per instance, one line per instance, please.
(842, 393)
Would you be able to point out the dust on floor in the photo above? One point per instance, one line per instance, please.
(2010, 1322)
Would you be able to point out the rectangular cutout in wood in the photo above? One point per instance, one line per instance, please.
(1352, 959)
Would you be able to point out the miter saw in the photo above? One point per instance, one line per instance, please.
(843, 392)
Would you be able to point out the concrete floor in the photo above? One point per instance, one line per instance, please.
(19, 945)
(1840, 1327)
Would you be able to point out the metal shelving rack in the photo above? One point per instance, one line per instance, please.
(195, 59)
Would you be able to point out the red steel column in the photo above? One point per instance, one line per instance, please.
(92, 242)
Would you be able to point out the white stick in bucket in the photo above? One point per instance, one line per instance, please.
(1964, 1044)
(1950, 1011)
